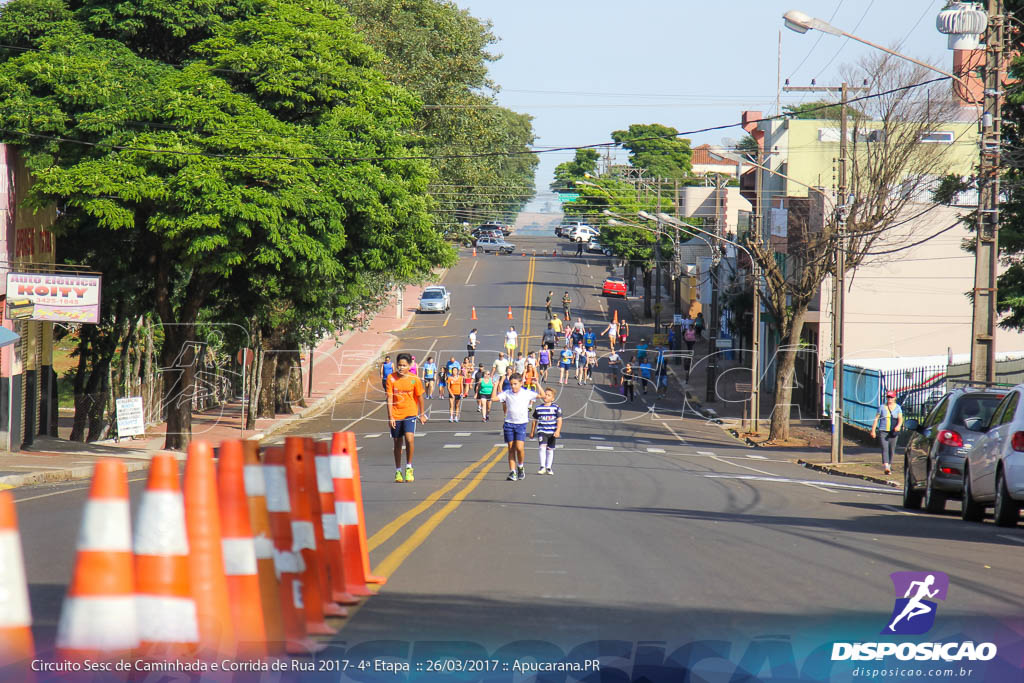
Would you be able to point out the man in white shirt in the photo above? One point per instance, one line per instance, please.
(471, 344)
(515, 404)
(500, 365)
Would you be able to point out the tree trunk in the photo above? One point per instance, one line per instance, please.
(178, 358)
(295, 384)
(282, 380)
(266, 406)
(789, 347)
(81, 375)
(99, 385)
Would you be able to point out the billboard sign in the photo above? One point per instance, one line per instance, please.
(56, 296)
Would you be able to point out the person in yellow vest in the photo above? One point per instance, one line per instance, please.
(890, 419)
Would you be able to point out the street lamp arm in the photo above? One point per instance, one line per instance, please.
(686, 226)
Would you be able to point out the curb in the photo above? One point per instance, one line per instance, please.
(12, 481)
(827, 469)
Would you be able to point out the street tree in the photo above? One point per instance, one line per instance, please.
(207, 133)
(657, 149)
(568, 172)
(441, 53)
(889, 169)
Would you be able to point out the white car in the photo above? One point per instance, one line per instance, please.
(583, 233)
(994, 466)
(435, 298)
(496, 244)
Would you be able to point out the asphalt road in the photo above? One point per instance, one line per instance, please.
(655, 527)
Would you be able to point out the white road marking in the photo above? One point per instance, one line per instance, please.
(550, 571)
(36, 467)
(372, 436)
(471, 272)
(899, 510)
(757, 457)
(461, 433)
(598, 438)
(655, 450)
(453, 445)
(786, 480)
(500, 445)
(706, 453)
(605, 448)
(1011, 538)
(671, 430)
(57, 493)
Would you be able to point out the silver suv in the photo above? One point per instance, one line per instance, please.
(994, 467)
(933, 463)
(495, 244)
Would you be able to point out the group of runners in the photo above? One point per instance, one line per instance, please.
(405, 399)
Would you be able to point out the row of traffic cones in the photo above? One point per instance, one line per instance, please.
(248, 559)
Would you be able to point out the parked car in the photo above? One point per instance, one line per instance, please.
(994, 467)
(502, 230)
(595, 247)
(933, 463)
(563, 229)
(614, 286)
(485, 232)
(435, 298)
(495, 244)
(583, 233)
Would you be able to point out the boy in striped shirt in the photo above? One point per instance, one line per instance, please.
(547, 426)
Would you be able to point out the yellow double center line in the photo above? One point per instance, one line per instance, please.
(394, 560)
(524, 338)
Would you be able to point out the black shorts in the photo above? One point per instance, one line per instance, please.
(547, 439)
(544, 366)
(486, 396)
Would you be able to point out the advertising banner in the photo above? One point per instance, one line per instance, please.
(54, 296)
(130, 418)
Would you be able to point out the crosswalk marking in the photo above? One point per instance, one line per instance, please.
(453, 445)
(371, 436)
(461, 433)
(605, 448)
(705, 452)
(655, 450)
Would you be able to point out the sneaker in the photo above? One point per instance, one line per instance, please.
(888, 470)
(408, 474)
(399, 479)
(541, 471)
(511, 476)
(550, 471)
(522, 472)
(456, 418)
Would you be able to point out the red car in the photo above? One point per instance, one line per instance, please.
(614, 286)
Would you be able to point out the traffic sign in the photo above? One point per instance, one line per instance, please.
(567, 197)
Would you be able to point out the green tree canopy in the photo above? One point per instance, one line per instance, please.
(567, 172)
(242, 166)
(657, 149)
(820, 109)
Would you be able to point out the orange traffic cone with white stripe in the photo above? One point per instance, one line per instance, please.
(206, 557)
(16, 645)
(255, 491)
(304, 536)
(345, 442)
(239, 553)
(168, 625)
(288, 564)
(312, 485)
(510, 313)
(98, 620)
(346, 514)
(323, 509)
(472, 315)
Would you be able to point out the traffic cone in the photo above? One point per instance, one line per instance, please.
(206, 556)
(240, 553)
(524, 253)
(345, 443)
(318, 486)
(304, 535)
(287, 563)
(16, 644)
(256, 492)
(168, 624)
(98, 620)
(510, 313)
(472, 315)
(474, 251)
(346, 513)
(324, 508)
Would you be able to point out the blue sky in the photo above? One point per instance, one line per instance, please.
(584, 69)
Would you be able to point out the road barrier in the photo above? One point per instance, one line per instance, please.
(248, 559)
(98, 620)
(16, 644)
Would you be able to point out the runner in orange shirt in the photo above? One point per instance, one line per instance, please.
(405, 403)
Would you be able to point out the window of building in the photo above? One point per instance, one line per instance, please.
(939, 136)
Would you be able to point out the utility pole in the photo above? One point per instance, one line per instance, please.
(755, 271)
(657, 264)
(839, 283)
(983, 325)
(713, 319)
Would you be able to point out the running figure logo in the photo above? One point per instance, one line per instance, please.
(914, 613)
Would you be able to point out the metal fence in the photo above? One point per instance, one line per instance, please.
(917, 390)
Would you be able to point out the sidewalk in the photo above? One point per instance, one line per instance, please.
(337, 364)
(809, 445)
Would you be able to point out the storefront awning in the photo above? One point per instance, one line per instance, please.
(7, 337)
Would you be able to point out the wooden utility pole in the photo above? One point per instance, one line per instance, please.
(986, 245)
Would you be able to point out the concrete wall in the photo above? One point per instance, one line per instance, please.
(912, 303)
(700, 202)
